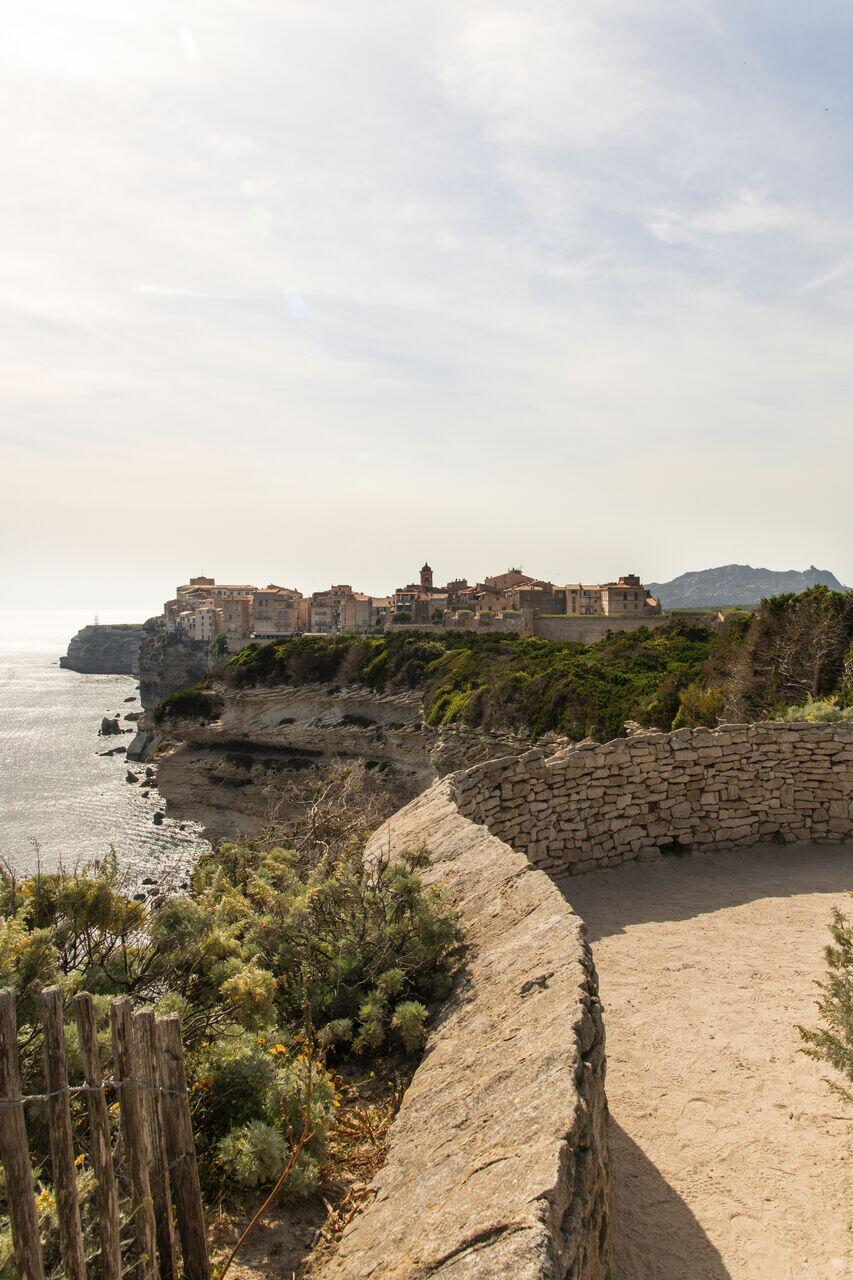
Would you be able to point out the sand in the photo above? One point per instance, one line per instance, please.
(731, 1157)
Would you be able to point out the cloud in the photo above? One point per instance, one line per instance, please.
(748, 213)
(840, 270)
(513, 280)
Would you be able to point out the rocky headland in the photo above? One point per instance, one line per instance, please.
(105, 650)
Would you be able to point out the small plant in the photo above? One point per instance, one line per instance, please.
(833, 1041)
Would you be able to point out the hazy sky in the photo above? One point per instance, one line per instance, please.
(309, 291)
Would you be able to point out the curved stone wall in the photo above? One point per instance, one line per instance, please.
(596, 805)
(497, 1163)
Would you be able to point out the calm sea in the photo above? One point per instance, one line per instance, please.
(61, 801)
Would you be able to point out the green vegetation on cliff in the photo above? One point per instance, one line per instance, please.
(496, 681)
(794, 648)
(195, 703)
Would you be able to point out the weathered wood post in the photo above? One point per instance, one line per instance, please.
(99, 1133)
(61, 1136)
(145, 1032)
(133, 1129)
(180, 1148)
(14, 1151)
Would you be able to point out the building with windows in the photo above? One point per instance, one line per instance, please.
(277, 611)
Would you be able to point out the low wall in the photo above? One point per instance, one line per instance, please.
(596, 805)
(497, 1163)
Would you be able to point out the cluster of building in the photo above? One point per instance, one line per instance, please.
(205, 610)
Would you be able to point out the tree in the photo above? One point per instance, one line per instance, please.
(833, 1042)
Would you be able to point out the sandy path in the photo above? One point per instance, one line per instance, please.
(731, 1157)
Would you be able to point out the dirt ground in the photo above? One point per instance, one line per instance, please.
(732, 1160)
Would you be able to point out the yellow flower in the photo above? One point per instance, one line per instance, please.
(81, 1159)
(278, 1049)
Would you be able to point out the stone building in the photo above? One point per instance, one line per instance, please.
(421, 601)
(276, 612)
(625, 598)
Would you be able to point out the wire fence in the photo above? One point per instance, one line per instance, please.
(152, 1195)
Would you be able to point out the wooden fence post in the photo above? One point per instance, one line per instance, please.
(145, 1032)
(61, 1136)
(99, 1132)
(133, 1128)
(14, 1151)
(181, 1149)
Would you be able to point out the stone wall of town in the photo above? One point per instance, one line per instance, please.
(497, 1162)
(597, 805)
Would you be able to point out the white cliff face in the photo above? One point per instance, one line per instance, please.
(168, 662)
(105, 650)
(273, 745)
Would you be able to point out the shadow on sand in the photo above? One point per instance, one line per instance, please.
(655, 1236)
(678, 888)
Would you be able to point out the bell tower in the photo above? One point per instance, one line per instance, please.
(426, 578)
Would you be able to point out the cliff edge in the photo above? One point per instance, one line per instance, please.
(105, 650)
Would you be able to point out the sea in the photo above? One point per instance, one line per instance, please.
(63, 803)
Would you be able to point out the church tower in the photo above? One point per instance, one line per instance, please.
(426, 578)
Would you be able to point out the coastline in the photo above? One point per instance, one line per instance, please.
(64, 800)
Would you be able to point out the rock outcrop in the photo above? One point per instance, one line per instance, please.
(169, 661)
(105, 650)
(274, 745)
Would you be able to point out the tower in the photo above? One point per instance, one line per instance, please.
(426, 578)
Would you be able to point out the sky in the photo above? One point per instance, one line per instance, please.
(298, 291)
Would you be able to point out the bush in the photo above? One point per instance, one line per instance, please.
(833, 1042)
(821, 711)
(274, 959)
(699, 705)
(195, 703)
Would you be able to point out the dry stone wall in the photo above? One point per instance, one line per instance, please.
(497, 1162)
(597, 805)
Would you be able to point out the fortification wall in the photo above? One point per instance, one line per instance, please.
(590, 630)
(596, 805)
(498, 1161)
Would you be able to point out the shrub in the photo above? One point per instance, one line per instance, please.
(699, 704)
(253, 1154)
(820, 711)
(833, 1042)
(274, 958)
(195, 703)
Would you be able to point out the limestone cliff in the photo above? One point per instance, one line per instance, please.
(168, 661)
(105, 650)
(273, 746)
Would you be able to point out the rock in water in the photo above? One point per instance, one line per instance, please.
(158, 819)
(131, 777)
(109, 726)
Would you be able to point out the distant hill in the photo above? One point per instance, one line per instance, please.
(737, 584)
